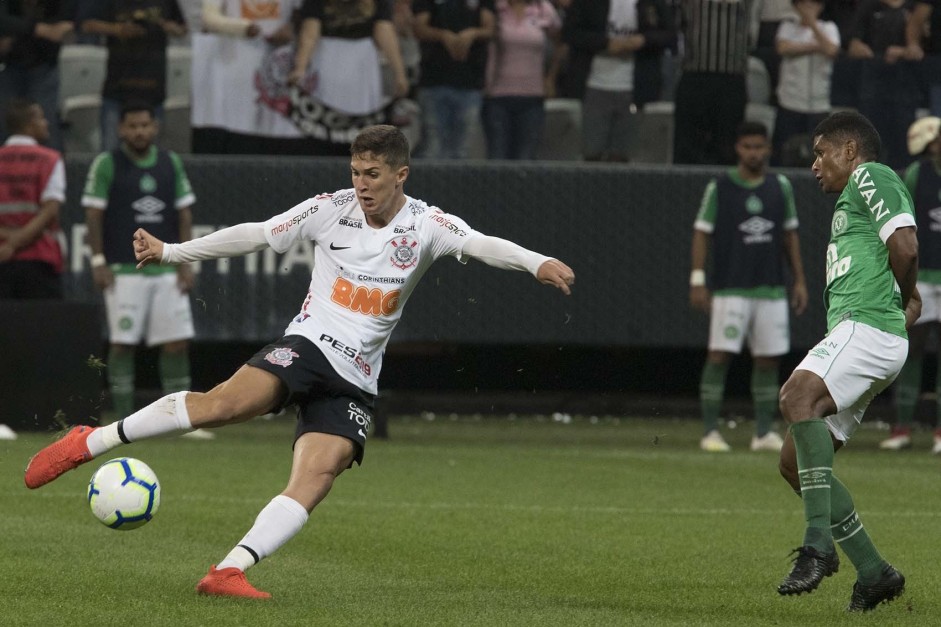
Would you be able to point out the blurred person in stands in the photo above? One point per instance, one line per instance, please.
(135, 185)
(711, 93)
(229, 111)
(887, 88)
(454, 36)
(923, 37)
(807, 46)
(514, 97)
(750, 217)
(342, 40)
(137, 35)
(404, 21)
(31, 34)
(923, 180)
(615, 53)
(771, 14)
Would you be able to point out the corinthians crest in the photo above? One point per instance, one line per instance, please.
(404, 252)
(281, 357)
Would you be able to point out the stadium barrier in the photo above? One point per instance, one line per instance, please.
(624, 229)
(50, 377)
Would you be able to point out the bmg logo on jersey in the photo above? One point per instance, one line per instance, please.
(361, 299)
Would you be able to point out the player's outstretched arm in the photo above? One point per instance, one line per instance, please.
(232, 241)
(504, 254)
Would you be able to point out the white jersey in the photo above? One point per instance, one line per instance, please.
(362, 276)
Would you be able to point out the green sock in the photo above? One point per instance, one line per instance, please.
(764, 393)
(174, 371)
(849, 533)
(815, 469)
(907, 387)
(121, 381)
(711, 391)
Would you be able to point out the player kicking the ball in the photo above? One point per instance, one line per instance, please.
(372, 245)
(872, 265)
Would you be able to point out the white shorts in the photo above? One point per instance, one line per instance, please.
(151, 307)
(856, 362)
(764, 321)
(930, 302)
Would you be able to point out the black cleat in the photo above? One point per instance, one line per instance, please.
(810, 567)
(889, 586)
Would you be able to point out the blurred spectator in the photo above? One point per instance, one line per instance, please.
(404, 21)
(514, 102)
(453, 36)
(711, 94)
(30, 36)
(228, 112)
(32, 190)
(841, 13)
(923, 180)
(615, 53)
(136, 34)
(887, 88)
(344, 39)
(807, 46)
(923, 36)
(771, 13)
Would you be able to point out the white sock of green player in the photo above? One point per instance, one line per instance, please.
(165, 416)
(277, 523)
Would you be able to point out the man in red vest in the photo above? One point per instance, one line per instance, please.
(32, 190)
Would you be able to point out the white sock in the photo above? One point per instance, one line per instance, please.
(277, 523)
(161, 417)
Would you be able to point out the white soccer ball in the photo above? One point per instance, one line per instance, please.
(124, 493)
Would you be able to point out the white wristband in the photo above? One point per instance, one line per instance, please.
(98, 260)
(697, 278)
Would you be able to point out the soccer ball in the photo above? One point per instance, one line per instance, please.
(124, 493)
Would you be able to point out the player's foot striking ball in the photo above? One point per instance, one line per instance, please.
(59, 457)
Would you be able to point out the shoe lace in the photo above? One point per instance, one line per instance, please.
(803, 561)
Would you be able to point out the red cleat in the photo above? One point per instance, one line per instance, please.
(228, 582)
(59, 457)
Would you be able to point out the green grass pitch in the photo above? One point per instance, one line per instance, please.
(469, 522)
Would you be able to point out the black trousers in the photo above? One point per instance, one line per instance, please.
(708, 107)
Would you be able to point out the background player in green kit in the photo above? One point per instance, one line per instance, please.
(871, 298)
(923, 179)
(139, 185)
(751, 218)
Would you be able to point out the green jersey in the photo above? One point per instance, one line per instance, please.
(860, 283)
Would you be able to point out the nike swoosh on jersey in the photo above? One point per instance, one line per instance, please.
(334, 247)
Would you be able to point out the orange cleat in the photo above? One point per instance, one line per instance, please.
(228, 582)
(59, 457)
